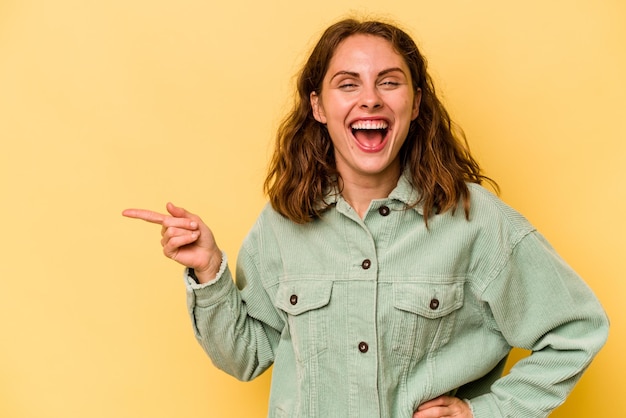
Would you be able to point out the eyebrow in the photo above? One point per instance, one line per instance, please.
(356, 75)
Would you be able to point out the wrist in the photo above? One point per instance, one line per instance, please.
(210, 272)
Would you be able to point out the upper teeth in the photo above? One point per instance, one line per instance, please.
(370, 124)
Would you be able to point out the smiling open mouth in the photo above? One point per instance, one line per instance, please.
(370, 135)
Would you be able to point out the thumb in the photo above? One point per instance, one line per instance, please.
(176, 211)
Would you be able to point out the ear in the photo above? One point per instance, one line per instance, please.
(416, 104)
(318, 109)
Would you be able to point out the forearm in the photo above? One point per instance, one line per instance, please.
(540, 304)
(236, 343)
(536, 385)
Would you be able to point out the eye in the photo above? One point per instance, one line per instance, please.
(390, 84)
(348, 85)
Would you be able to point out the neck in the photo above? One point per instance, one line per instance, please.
(360, 191)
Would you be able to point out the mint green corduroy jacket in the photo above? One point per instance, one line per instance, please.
(369, 318)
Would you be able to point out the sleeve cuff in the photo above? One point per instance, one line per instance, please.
(484, 406)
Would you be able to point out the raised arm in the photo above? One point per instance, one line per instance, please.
(185, 239)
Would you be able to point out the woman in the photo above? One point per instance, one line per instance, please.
(383, 280)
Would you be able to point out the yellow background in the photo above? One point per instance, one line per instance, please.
(112, 104)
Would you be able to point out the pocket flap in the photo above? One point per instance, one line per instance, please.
(430, 300)
(296, 297)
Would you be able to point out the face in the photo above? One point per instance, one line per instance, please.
(367, 103)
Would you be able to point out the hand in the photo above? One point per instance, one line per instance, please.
(444, 407)
(185, 239)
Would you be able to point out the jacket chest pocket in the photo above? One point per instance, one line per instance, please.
(306, 304)
(424, 316)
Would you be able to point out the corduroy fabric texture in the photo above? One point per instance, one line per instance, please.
(371, 317)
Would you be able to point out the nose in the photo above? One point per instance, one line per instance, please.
(370, 99)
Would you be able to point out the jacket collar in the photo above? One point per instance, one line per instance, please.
(403, 192)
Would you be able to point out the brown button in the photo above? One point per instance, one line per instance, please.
(366, 264)
(384, 210)
(293, 299)
(434, 304)
(363, 347)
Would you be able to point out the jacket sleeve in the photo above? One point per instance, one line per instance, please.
(539, 303)
(239, 335)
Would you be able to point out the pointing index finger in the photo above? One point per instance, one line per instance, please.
(146, 215)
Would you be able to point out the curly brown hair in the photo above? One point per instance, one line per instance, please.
(435, 152)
